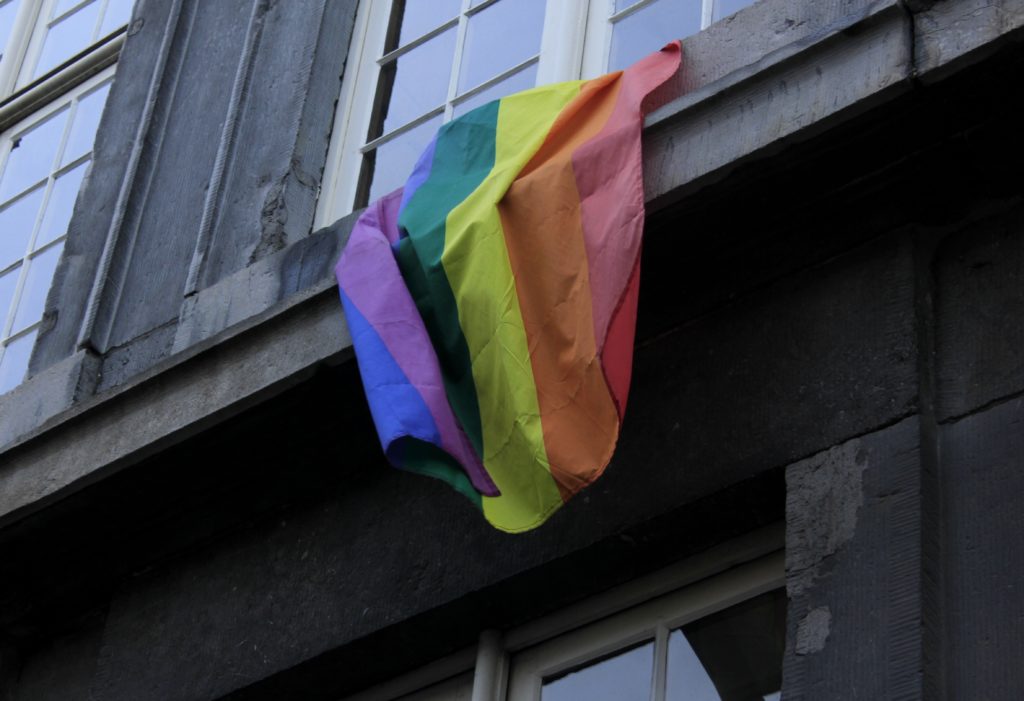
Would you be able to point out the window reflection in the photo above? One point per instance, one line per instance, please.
(625, 676)
(16, 355)
(86, 121)
(117, 14)
(489, 50)
(650, 28)
(498, 55)
(733, 655)
(60, 205)
(39, 184)
(8, 281)
(421, 16)
(67, 37)
(392, 162)
(32, 155)
(523, 79)
(37, 284)
(417, 82)
(16, 221)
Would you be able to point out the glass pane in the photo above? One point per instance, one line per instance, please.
(420, 16)
(521, 80)
(419, 81)
(393, 161)
(15, 362)
(32, 155)
(724, 8)
(7, 12)
(623, 4)
(687, 679)
(624, 677)
(733, 654)
(649, 29)
(66, 38)
(117, 15)
(83, 129)
(499, 37)
(37, 284)
(63, 6)
(62, 201)
(16, 222)
(8, 281)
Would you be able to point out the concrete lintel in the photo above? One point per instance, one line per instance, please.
(302, 270)
(835, 68)
(955, 33)
(181, 397)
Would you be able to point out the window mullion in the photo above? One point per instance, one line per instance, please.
(415, 43)
(12, 311)
(460, 43)
(597, 39)
(373, 144)
(660, 680)
(490, 675)
(38, 31)
(18, 44)
(100, 15)
(707, 13)
(491, 82)
(634, 8)
(563, 41)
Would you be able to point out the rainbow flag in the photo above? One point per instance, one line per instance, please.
(492, 300)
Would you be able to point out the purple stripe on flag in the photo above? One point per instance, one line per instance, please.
(398, 408)
(374, 284)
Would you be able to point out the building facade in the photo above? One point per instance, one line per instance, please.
(820, 482)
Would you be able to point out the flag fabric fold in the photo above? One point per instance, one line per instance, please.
(492, 300)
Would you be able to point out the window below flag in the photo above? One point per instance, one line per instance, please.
(715, 640)
(415, 64)
(709, 629)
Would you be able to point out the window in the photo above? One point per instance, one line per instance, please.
(56, 68)
(716, 640)
(415, 64)
(708, 629)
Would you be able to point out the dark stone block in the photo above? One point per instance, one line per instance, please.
(167, 201)
(853, 570)
(979, 307)
(95, 206)
(280, 144)
(983, 483)
(141, 353)
(780, 373)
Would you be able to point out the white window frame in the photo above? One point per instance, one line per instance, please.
(575, 43)
(19, 96)
(560, 54)
(599, 27)
(26, 101)
(653, 620)
(512, 667)
(69, 101)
